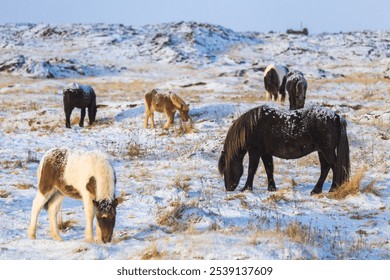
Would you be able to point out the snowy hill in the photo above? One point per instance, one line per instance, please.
(58, 51)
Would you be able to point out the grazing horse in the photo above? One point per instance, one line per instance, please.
(85, 175)
(296, 87)
(275, 81)
(79, 96)
(167, 103)
(264, 132)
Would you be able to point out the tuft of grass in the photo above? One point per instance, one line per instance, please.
(185, 128)
(4, 194)
(241, 197)
(23, 186)
(182, 183)
(80, 250)
(122, 197)
(32, 157)
(152, 253)
(370, 188)
(134, 150)
(298, 232)
(280, 195)
(352, 187)
(66, 225)
(172, 217)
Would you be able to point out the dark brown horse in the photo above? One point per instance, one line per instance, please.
(296, 87)
(264, 132)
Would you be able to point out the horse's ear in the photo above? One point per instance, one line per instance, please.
(115, 202)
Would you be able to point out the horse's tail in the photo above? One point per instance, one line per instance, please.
(343, 166)
(149, 98)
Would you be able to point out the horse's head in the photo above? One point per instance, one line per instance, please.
(184, 109)
(300, 95)
(106, 214)
(231, 170)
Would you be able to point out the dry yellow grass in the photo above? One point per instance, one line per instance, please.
(172, 216)
(66, 225)
(352, 187)
(152, 253)
(4, 194)
(23, 186)
(182, 183)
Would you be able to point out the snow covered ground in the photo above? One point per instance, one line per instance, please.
(173, 201)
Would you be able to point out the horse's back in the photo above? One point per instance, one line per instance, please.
(293, 134)
(159, 101)
(79, 95)
(76, 168)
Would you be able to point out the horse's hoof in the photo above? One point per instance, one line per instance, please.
(272, 189)
(314, 191)
(246, 189)
(57, 238)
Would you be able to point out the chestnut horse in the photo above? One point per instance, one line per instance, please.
(167, 103)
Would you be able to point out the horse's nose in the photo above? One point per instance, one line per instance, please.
(107, 239)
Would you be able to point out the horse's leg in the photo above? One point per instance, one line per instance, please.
(169, 119)
(267, 96)
(38, 203)
(89, 210)
(82, 116)
(331, 158)
(68, 112)
(90, 114)
(254, 158)
(269, 169)
(54, 206)
(325, 167)
(147, 114)
(152, 118)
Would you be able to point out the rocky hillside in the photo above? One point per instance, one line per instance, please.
(58, 51)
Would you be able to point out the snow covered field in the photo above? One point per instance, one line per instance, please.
(173, 201)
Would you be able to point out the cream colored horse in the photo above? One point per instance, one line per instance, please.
(85, 175)
(167, 103)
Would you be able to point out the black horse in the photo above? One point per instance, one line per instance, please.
(82, 97)
(296, 87)
(264, 132)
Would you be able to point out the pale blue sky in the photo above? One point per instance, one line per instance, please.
(239, 15)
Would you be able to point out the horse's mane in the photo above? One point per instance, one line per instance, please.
(237, 135)
(177, 100)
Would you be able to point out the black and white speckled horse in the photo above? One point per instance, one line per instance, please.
(296, 87)
(264, 132)
(82, 97)
(275, 81)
